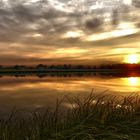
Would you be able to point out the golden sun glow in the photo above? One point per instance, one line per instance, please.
(132, 59)
(73, 34)
(127, 2)
(133, 81)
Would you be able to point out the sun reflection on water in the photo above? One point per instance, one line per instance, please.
(129, 84)
(133, 81)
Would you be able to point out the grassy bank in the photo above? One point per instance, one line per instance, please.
(93, 118)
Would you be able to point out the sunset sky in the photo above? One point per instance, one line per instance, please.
(69, 31)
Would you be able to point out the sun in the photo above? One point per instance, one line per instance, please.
(132, 59)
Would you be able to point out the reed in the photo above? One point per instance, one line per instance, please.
(93, 118)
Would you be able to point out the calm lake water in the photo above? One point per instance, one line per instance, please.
(32, 92)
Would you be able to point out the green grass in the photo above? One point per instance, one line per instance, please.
(91, 118)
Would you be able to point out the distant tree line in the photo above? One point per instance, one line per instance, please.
(71, 67)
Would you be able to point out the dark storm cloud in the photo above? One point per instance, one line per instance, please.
(35, 12)
(16, 19)
(115, 17)
(136, 3)
(94, 23)
(15, 22)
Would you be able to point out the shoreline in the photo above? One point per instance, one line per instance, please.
(98, 72)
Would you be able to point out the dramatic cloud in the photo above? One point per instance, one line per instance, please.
(34, 31)
(136, 3)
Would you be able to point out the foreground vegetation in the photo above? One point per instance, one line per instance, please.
(92, 118)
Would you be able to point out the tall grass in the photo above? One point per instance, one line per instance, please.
(91, 118)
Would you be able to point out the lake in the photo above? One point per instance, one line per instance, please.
(32, 92)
